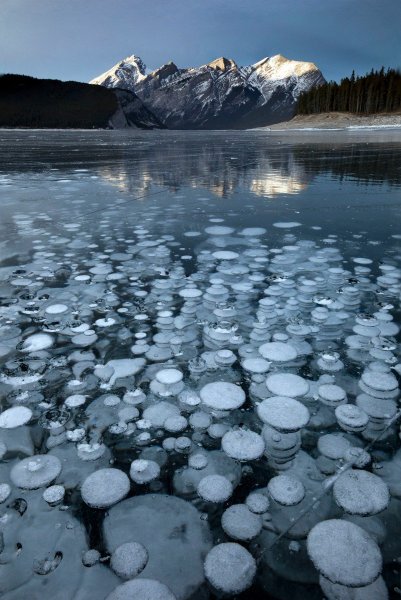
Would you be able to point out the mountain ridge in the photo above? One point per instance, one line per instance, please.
(219, 94)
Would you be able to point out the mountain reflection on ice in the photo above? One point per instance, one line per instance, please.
(199, 371)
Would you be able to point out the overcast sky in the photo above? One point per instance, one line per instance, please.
(79, 39)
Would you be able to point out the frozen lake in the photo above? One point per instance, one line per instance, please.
(199, 365)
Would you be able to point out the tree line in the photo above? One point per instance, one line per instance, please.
(30, 102)
(375, 92)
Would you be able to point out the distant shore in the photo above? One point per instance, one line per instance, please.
(340, 120)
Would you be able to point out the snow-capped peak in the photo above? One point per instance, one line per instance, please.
(124, 74)
(222, 64)
(278, 67)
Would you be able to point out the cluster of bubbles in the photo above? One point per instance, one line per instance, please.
(187, 427)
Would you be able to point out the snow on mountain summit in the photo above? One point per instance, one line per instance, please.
(124, 74)
(278, 67)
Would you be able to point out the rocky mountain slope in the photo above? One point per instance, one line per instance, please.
(219, 94)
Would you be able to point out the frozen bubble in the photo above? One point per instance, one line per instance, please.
(230, 568)
(89, 452)
(351, 417)
(344, 553)
(90, 558)
(15, 416)
(36, 342)
(56, 309)
(157, 413)
(333, 445)
(282, 413)
(278, 352)
(331, 394)
(361, 493)
(286, 224)
(141, 589)
(255, 365)
(219, 230)
(381, 382)
(143, 471)
(240, 523)
(105, 322)
(257, 502)
(200, 420)
(190, 293)
(287, 384)
(175, 424)
(54, 494)
(125, 367)
(198, 461)
(105, 487)
(169, 376)
(75, 401)
(215, 488)
(35, 472)
(5, 491)
(222, 395)
(225, 255)
(129, 559)
(243, 444)
(286, 490)
(252, 231)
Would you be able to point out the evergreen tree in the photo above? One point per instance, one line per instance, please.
(376, 92)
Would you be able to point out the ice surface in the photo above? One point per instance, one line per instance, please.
(250, 371)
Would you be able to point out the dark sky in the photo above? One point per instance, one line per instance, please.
(79, 39)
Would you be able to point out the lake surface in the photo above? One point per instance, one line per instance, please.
(172, 305)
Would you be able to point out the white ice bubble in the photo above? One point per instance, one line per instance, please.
(243, 444)
(215, 488)
(16, 416)
(105, 487)
(222, 395)
(129, 559)
(230, 568)
(35, 472)
(344, 553)
(240, 523)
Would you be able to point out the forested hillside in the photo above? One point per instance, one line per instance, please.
(29, 102)
(376, 92)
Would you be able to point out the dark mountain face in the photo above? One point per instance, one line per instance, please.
(218, 95)
(29, 102)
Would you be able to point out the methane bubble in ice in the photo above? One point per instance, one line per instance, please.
(230, 568)
(243, 444)
(105, 487)
(283, 414)
(35, 472)
(344, 553)
(222, 395)
(215, 488)
(15, 417)
(359, 492)
(240, 523)
(142, 589)
(129, 559)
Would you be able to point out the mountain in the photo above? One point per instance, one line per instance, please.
(124, 74)
(219, 94)
(30, 102)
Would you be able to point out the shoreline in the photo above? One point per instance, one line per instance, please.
(337, 121)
